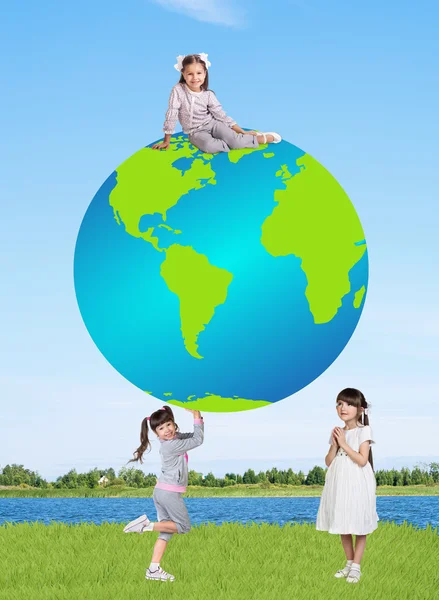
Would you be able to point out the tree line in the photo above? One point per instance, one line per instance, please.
(17, 475)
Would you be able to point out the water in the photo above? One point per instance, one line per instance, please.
(419, 511)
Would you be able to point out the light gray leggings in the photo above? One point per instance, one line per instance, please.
(170, 506)
(218, 137)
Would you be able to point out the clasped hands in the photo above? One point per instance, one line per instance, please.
(339, 437)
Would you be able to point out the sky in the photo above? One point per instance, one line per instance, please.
(85, 85)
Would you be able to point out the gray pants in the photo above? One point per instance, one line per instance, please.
(218, 137)
(170, 506)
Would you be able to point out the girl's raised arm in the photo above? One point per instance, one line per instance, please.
(179, 445)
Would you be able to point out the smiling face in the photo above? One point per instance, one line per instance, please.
(194, 75)
(347, 413)
(166, 431)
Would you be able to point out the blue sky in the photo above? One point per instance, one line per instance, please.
(85, 85)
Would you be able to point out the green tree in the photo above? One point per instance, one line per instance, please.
(229, 481)
(16, 475)
(406, 477)
(434, 472)
(70, 479)
(395, 477)
(93, 477)
(261, 477)
(291, 477)
(418, 476)
(110, 474)
(82, 480)
(301, 478)
(195, 478)
(150, 480)
(130, 476)
(273, 475)
(210, 480)
(316, 476)
(249, 476)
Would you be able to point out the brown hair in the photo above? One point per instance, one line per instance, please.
(356, 398)
(189, 60)
(157, 418)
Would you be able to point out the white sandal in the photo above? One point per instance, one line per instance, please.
(354, 575)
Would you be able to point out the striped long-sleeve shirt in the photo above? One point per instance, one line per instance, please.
(193, 109)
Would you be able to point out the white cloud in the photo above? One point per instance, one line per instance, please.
(209, 11)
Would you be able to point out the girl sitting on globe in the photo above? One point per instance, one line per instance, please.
(172, 515)
(348, 502)
(201, 115)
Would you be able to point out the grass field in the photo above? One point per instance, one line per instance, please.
(231, 561)
(203, 492)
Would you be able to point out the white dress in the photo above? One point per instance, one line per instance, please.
(348, 502)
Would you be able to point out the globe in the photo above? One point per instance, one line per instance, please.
(221, 282)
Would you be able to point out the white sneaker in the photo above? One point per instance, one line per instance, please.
(159, 574)
(137, 525)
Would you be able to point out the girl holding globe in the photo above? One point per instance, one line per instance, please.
(348, 502)
(201, 115)
(172, 515)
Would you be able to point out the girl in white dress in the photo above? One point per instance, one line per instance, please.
(348, 502)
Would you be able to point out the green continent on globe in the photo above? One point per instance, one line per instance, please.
(235, 156)
(359, 295)
(148, 184)
(215, 403)
(199, 286)
(315, 221)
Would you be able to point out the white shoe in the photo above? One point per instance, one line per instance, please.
(343, 572)
(137, 525)
(276, 137)
(354, 575)
(159, 574)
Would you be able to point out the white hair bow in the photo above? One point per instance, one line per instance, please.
(202, 55)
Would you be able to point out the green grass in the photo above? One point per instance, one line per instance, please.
(230, 562)
(203, 492)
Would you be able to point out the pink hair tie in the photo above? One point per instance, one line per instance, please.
(163, 408)
(148, 418)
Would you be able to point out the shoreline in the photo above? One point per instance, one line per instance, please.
(246, 491)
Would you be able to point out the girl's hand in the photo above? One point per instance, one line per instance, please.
(334, 439)
(340, 436)
(253, 132)
(161, 146)
(196, 413)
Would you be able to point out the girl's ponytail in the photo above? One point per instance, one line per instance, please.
(157, 418)
(144, 442)
(365, 421)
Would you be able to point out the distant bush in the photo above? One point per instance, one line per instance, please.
(116, 481)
